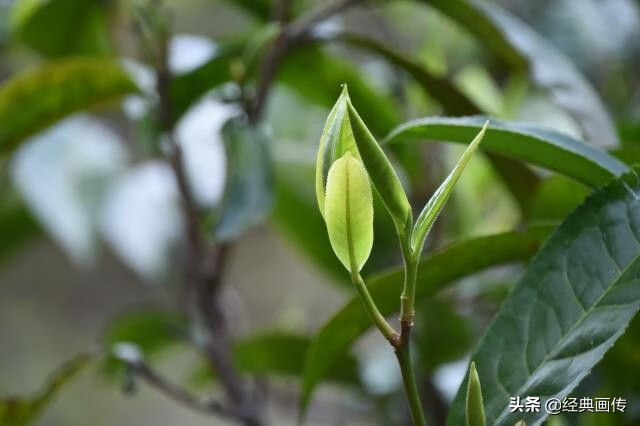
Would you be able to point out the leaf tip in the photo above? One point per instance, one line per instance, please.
(475, 408)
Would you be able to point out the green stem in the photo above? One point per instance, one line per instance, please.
(408, 295)
(370, 306)
(403, 348)
(403, 353)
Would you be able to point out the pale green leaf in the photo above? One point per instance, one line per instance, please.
(336, 140)
(349, 212)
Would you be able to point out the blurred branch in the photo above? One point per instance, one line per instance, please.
(203, 264)
(181, 396)
(290, 36)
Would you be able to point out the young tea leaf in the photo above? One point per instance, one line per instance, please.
(434, 273)
(349, 212)
(475, 410)
(431, 211)
(382, 175)
(336, 141)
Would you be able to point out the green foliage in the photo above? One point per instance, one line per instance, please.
(540, 147)
(474, 407)
(58, 28)
(432, 209)
(575, 300)
(349, 212)
(520, 46)
(248, 195)
(24, 411)
(55, 90)
(435, 272)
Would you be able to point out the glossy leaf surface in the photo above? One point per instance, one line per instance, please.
(545, 148)
(574, 301)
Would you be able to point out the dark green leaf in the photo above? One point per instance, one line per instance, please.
(62, 27)
(249, 188)
(520, 46)
(54, 91)
(24, 411)
(434, 273)
(574, 301)
(540, 147)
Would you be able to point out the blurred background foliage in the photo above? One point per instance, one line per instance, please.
(90, 221)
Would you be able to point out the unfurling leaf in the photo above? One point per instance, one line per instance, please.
(521, 423)
(431, 211)
(475, 410)
(336, 140)
(382, 175)
(349, 212)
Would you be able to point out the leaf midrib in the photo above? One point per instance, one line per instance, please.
(347, 211)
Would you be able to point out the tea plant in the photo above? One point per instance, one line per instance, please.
(108, 73)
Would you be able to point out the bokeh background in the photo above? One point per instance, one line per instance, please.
(89, 222)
